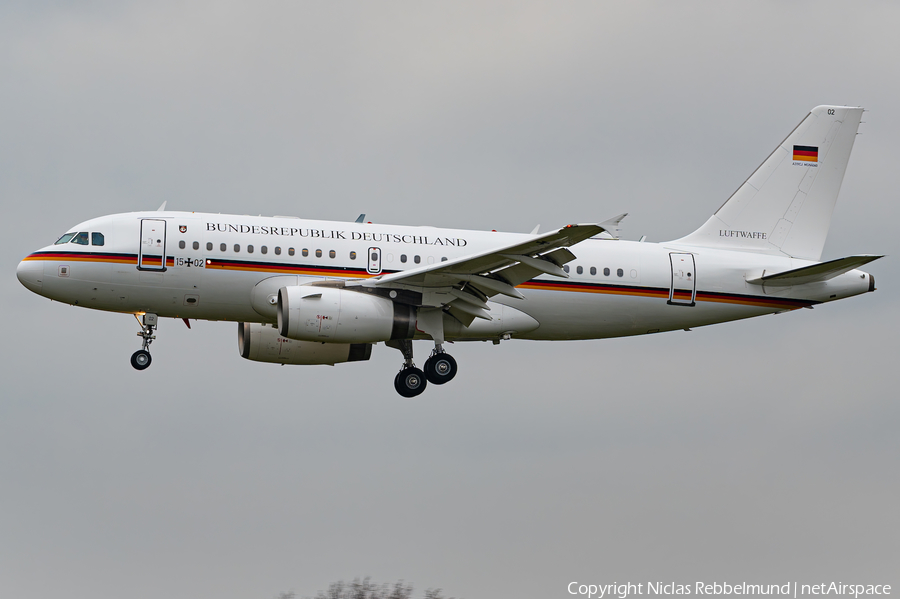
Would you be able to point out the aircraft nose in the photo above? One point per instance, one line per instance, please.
(30, 273)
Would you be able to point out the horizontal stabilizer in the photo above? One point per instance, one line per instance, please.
(815, 273)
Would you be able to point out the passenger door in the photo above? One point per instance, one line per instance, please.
(152, 251)
(683, 289)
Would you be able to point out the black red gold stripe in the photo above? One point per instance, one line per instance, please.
(86, 257)
(107, 257)
(357, 273)
(291, 269)
(663, 293)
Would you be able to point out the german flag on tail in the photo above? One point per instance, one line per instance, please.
(806, 153)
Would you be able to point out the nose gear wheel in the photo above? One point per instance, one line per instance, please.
(141, 359)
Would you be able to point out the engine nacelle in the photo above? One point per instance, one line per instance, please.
(262, 343)
(309, 313)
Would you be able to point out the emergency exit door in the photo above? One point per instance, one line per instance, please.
(374, 265)
(152, 251)
(683, 289)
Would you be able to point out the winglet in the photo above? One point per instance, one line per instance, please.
(612, 228)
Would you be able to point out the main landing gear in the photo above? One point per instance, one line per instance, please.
(410, 381)
(440, 368)
(141, 358)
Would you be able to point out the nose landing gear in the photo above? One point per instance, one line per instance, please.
(141, 358)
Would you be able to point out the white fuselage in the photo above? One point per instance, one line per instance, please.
(214, 262)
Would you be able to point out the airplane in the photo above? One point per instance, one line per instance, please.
(309, 292)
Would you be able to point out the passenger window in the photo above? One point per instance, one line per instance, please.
(209, 246)
(196, 245)
(620, 273)
(222, 247)
(65, 238)
(403, 258)
(593, 270)
(353, 255)
(181, 244)
(97, 239)
(444, 259)
(318, 253)
(264, 250)
(566, 268)
(417, 259)
(305, 252)
(249, 249)
(237, 247)
(331, 254)
(290, 251)
(605, 272)
(579, 270)
(81, 238)
(277, 250)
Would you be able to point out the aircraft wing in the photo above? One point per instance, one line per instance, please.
(465, 283)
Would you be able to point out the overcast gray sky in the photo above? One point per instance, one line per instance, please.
(763, 451)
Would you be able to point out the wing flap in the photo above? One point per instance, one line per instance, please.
(539, 264)
(491, 284)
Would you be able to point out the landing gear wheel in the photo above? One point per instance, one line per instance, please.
(440, 368)
(410, 382)
(140, 359)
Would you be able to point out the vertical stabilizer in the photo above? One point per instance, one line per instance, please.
(785, 206)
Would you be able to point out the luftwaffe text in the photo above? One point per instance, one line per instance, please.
(742, 234)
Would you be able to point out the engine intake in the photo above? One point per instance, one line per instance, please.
(262, 343)
(309, 313)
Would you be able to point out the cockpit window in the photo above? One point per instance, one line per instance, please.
(96, 238)
(80, 238)
(65, 238)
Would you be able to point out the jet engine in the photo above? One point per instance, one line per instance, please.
(262, 343)
(310, 313)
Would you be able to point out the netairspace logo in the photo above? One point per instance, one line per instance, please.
(791, 589)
